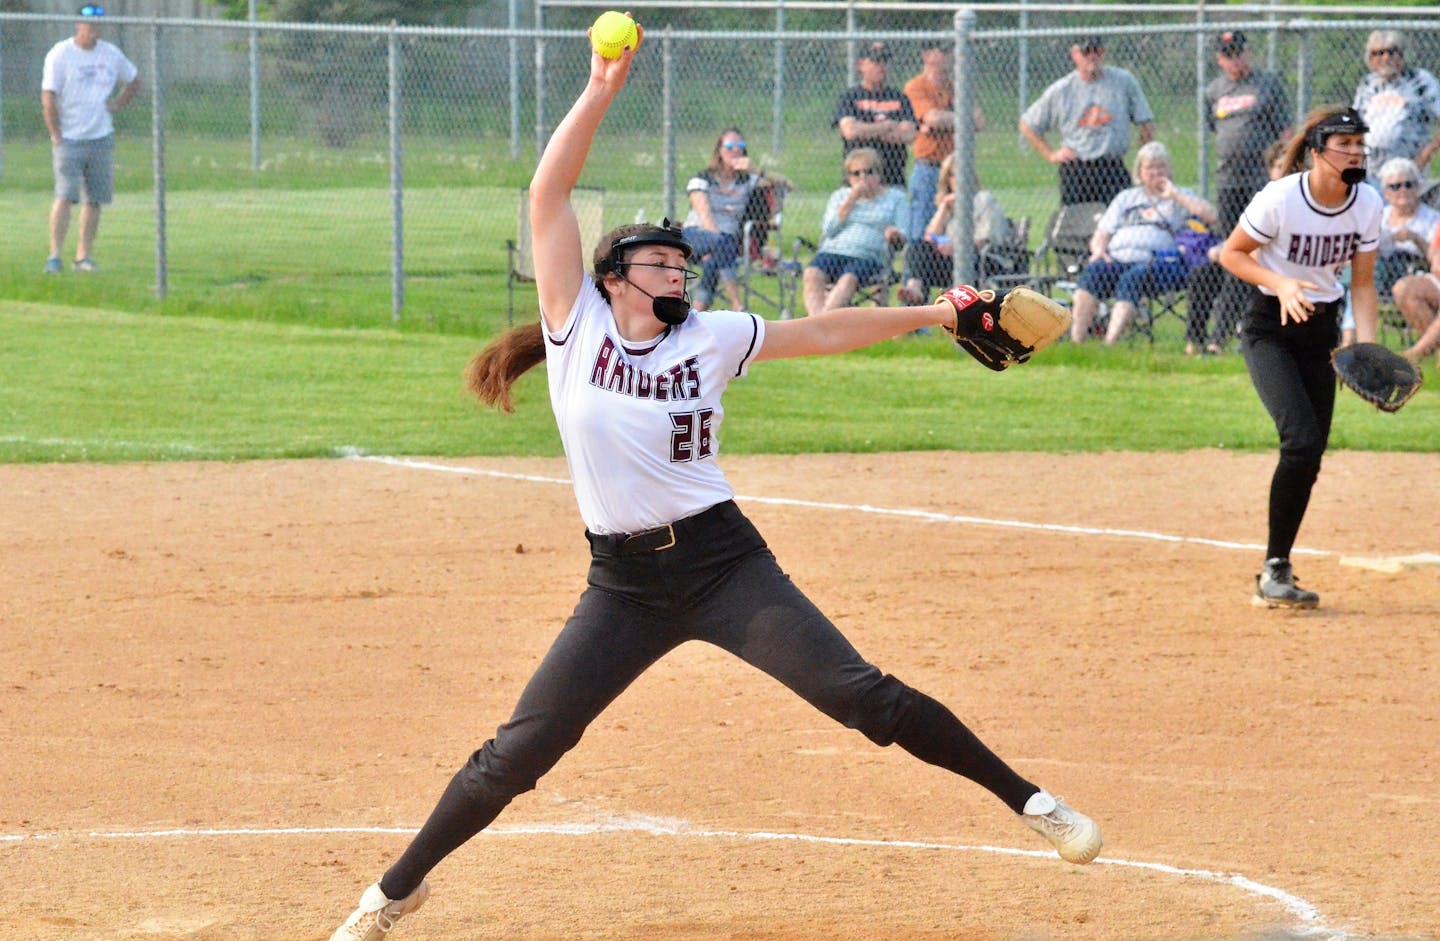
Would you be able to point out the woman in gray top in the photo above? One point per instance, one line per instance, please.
(1133, 253)
(718, 197)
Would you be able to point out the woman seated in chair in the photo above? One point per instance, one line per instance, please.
(1407, 227)
(930, 261)
(1133, 253)
(718, 197)
(864, 223)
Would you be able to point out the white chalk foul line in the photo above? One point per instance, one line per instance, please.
(174, 447)
(1309, 922)
(928, 516)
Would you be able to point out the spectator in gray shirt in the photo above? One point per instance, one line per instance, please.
(1092, 108)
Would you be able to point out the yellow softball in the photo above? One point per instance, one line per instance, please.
(611, 33)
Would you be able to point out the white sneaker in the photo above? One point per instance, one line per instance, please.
(377, 915)
(1075, 836)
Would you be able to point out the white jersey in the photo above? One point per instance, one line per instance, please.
(1301, 239)
(640, 422)
(82, 80)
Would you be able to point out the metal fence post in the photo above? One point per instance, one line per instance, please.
(777, 118)
(397, 180)
(850, 43)
(540, 134)
(962, 221)
(667, 121)
(1272, 36)
(2, 105)
(1201, 118)
(157, 159)
(514, 43)
(254, 90)
(1022, 86)
(1304, 66)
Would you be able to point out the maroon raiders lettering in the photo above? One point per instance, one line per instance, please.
(1322, 250)
(611, 373)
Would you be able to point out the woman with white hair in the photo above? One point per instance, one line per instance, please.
(1407, 227)
(1398, 103)
(1133, 253)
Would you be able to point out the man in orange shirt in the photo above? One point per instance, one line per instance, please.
(932, 98)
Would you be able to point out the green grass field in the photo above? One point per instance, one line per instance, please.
(89, 384)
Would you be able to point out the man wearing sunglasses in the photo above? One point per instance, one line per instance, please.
(1399, 103)
(76, 88)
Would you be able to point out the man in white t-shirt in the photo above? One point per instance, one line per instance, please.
(81, 74)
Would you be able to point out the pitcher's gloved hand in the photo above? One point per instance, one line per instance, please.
(1000, 330)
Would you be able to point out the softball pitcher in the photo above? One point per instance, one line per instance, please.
(636, 378)
(1294, 240)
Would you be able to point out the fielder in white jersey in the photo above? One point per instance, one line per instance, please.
(636, 378)
(1293, 243)
(1310, 243)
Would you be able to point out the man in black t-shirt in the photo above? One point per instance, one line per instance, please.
(873, 114)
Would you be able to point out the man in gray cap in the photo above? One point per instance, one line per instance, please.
(1248, 110)
(1092, 108)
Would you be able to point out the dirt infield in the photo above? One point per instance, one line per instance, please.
(224, 682)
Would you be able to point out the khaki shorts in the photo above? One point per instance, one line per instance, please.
(91, 162)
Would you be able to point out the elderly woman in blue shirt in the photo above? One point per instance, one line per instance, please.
(1133, 253)
(864, 223)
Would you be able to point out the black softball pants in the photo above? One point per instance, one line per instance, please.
(717, 583)
(1290, 368)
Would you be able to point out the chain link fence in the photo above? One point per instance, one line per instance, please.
(385, 165)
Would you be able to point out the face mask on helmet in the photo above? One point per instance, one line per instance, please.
(671, 311)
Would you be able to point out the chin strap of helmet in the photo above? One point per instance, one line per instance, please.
(671, 311)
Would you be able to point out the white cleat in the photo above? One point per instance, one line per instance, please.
(376, 916)
(1075, 836)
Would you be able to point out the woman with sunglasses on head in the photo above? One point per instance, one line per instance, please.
(719, 195)
(864, 224)
(1292, 243)
(636, 377)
